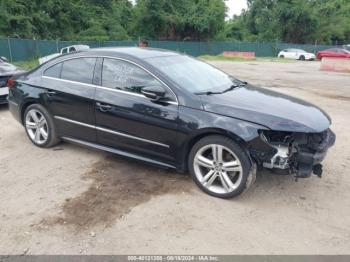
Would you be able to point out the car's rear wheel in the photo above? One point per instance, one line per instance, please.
(219, 166)
(282, 56)
(39, 126)
(302, 58)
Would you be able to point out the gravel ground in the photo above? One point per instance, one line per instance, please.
(73, 200)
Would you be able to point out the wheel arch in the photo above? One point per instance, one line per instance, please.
(208, 132)
(24, 106)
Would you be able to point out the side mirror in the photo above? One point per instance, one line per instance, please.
(4, 59)
(155, 93)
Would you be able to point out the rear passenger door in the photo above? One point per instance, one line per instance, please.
(69, 97)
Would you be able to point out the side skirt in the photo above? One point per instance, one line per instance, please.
(117, 152)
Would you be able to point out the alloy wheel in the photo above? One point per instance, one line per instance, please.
(218, 168)
(36, 125)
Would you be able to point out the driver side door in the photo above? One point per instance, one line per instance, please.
(127, 120)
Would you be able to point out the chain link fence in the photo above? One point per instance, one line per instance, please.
(28, 49)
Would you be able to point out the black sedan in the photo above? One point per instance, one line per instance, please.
(173, 111)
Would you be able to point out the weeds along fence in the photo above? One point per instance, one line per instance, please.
(28, 49)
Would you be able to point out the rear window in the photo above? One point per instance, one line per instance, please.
(54, 71)
(79, 70)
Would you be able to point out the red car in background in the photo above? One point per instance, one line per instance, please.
(333, 52)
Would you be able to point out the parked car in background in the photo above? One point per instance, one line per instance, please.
(297, 54)
(347, 47)
(171, 110)
(334, 52)
(7, 71)
(68, 49)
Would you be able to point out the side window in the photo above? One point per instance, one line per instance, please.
(54, 71)
(125, 76)
(64, 50)
(72, 49)
(79, 70)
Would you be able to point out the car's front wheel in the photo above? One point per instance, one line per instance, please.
(219, 166)
(39, 126)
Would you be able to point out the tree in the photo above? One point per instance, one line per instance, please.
(179, 19)
(294, 21)
(66, 19)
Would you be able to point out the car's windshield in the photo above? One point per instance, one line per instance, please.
(193, 75)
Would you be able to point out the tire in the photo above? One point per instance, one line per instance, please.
(281, 56)
(302, 58)
(37, 121)
(203, 171)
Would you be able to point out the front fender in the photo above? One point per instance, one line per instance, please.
(195, 124)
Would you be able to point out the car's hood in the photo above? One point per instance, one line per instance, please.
(270, 109)
(7, 69)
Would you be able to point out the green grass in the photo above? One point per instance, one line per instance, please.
(241, 59)
(27, 65)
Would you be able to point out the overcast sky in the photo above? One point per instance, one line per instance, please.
(235, 7)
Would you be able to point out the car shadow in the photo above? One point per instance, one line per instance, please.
(119, 184)
(4, 107)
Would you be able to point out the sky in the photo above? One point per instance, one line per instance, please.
(235, 7)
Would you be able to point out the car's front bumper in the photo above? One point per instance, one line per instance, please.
(308, 159)
(293, 153)
(4, 91)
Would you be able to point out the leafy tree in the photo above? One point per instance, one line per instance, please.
(295, 21)
(179, 19)
(66, 19)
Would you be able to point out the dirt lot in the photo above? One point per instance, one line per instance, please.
(72, 200)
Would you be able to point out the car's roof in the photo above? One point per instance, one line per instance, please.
(136, 52)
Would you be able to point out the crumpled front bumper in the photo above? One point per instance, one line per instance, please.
(308, 162)
(292, 153)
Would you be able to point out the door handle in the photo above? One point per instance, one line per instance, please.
(103, 107)
(51, 92)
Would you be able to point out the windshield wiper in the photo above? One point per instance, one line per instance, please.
(230, 88)
(221, 92)
(208, 93)
(234, 86)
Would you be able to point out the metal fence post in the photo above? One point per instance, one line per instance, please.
(9, 47)
(37, 51)
(315, 47)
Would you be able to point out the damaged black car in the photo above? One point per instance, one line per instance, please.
(173, 111)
